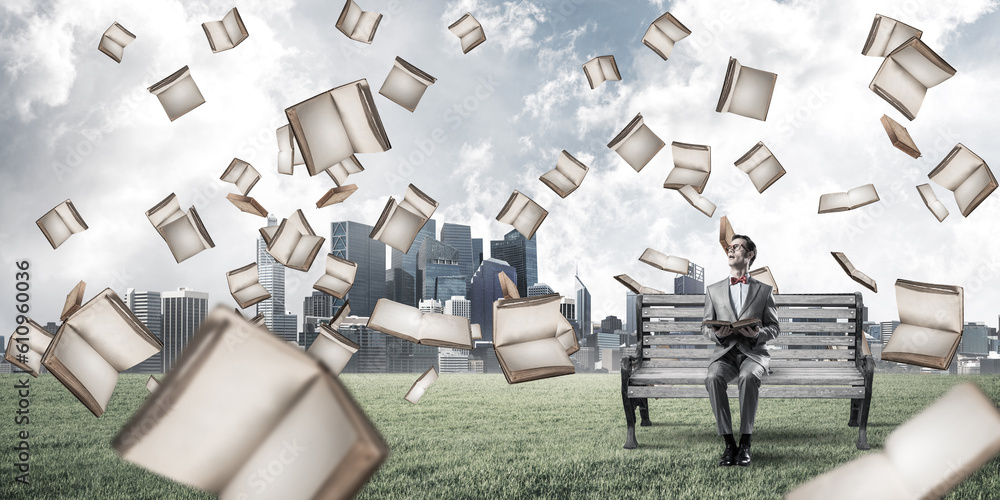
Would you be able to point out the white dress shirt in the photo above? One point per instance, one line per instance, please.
(738, 295)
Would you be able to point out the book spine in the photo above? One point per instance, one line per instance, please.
(386, 212)
(727, 85)
(626, 132)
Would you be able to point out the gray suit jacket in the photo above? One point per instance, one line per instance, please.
(759, 304)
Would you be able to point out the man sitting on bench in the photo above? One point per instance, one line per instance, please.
(739, 353)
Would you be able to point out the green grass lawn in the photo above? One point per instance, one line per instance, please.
(475, 436)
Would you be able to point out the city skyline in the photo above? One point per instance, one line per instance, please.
(76, 121)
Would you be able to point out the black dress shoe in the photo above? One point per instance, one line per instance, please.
(743, 456)
(728, 456)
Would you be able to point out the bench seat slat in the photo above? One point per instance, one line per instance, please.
(783, 312)
(779, 376)
(775, 353)
(772, 391)
(797, 327)
(781, 340)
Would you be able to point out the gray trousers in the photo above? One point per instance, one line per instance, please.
(734, 365)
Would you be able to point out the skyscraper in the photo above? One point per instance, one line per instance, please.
(459, 237)
(485, 290)
(886, 329)
(458, 306)
(349, 240)
(271, 275)
(583, 309)
(693, 283)
(404, 268)
(477, 253)
(539, 289)
(436, 260)
(183, 312)
(147, 307)
(521, 254)
(318, 304)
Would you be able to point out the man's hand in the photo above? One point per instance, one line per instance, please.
(723, 331)
(749, 331)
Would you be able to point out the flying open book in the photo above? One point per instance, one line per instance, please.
(342, 312)
(405, 84)
(183, 231)
(854, 198)
(469, 31)
(408, 323)
(925, 457)
(245, 399)
(26, 346)
(421, 385)
(601, 69)
(967, 175)
(726, 233)
(114, 40)
(227, 33)
(692, 166)
(665, 262)
(931, 318)
(663, 33)
(933, 203)
(152, 384)
(763, 275)
(342, 170)
(906, 74)
(245, 287)
(887, 34)
(242, 174)
(635, 286)
(177, 93)
(691, 194)
(746, 91)
(60, 223)
(477, 331)
(899, 137)
(400, 222)
(332, 349)
(336, 124)
(338, 278)
(357, 24)
(853, 272)
(636, 143)
(95, 344)
(293, 243)
(762, 167)
(288, 151)
(532, 339)
(523, 213)
(567, 176)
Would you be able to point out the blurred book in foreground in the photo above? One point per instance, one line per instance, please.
(925, 457)
(246, 400)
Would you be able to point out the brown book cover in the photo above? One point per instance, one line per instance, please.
(247, 204)
(508, 287)
(336, 195)
(899, 137)
(73, 301)
(726, 233)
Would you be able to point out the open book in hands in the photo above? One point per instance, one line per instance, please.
(735, 325)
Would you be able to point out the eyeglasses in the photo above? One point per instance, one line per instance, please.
(736, 246)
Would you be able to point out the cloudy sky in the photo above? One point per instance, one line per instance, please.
(77, 125)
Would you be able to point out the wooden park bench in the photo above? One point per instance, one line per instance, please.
(820, 353)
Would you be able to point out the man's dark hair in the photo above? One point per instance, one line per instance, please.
(750, 246)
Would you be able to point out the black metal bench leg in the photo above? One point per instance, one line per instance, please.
(869, 367)
(629, 404)
(855, 412)
(644, 412)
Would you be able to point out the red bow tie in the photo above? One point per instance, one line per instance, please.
(741, 279)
